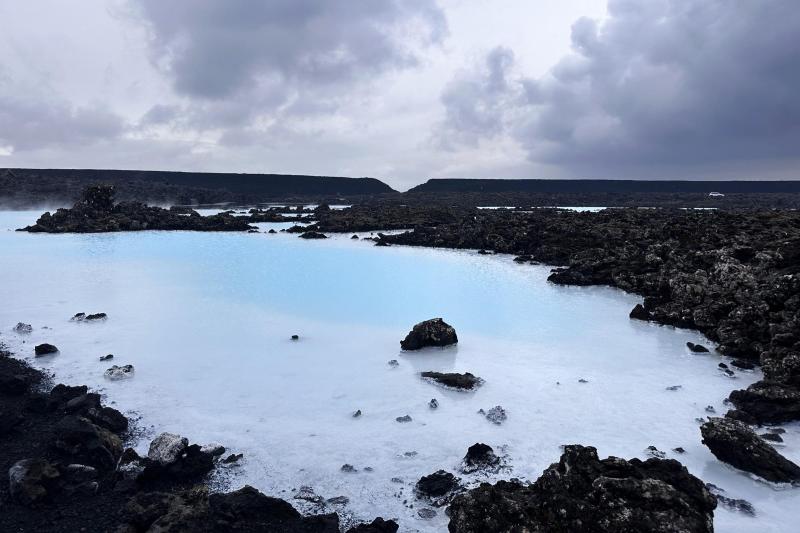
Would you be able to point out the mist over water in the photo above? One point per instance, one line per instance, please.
(206, 320)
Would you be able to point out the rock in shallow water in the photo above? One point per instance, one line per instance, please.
(433, 332)
(480, 457)
(437, 485)
(696, 348)
(453, 380)
(23, 328)
(44, 349)
(116, 373)
(732, 442)
(581, 493)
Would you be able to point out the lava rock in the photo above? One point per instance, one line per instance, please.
(379, 525)
(108, 357)
(403, 419)
(466, 381)
(434, 403)
(734, 443)
(639, 313)
(83, 441)
(23, 328)
(496, 415)
(44, 349)
(116, 373)
(32, 481)
(437, 485)
(581, 493)
(166, 448)
(433, 332)
(479, 457)
(696, 348)
(313, 235)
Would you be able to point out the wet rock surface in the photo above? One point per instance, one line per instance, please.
(97, 212)
(465, 381)
(583, 493)
(733, 442)
(433, 332)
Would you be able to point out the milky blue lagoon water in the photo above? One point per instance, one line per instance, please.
(206, 320)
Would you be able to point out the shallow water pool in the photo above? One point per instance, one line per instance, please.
(206, 320)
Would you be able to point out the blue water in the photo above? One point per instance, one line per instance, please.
(206, 317)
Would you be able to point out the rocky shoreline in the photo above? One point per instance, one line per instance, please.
(732, 275)
(65, 468)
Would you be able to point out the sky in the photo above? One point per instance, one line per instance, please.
(405, 90)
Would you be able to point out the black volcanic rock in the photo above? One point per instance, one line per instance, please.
(696, 348)
(436, 485)
(44, 349)
(733, 442)
(433, 332)
(313, 235)
(97, 213)
(453, 380)
(581, 493)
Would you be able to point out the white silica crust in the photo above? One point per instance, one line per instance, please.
(206, 319)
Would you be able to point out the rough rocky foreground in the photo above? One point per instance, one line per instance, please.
(582, 493)
(64, 468)
(734, 276)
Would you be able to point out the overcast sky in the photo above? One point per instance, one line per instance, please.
(405, 90)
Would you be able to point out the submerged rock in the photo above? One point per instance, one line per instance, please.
(739, 505)
(107, 357)
(496, 415)
(115, 373)
(453, 380)
(403, 419)
(44, 349)
(581, 493)
(23, 328)
(732, 442)
(433, 332)
(434, 403)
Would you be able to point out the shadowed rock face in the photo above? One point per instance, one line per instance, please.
(433, 332)
(581, 493)
(96, 212)
(733, 442)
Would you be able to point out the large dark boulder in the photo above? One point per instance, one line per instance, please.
(433, 332)
(44, 349)
(582, 494)
(733, 442)
(436, 485)
(379, 525)
(33, 481)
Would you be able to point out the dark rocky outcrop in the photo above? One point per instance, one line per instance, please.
(480, 457)
(44, 349)
(696, 348)
(437, 485)
(96, 212)
(465, 381)
(733, 442)
(313, 235)
(433, 332)
(581, 493)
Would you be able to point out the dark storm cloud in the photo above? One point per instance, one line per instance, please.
(666, 86)
(268, 51)
(474, 101)
(29, 124)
